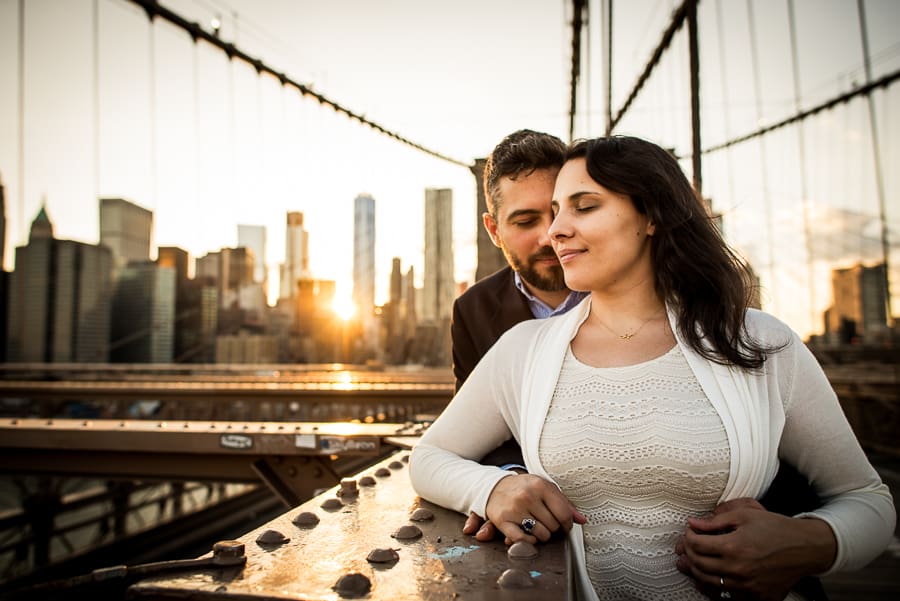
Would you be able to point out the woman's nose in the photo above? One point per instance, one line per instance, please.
(558, 228)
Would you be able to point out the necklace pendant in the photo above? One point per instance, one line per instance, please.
(626, 336)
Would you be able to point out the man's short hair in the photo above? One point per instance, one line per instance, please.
(519, 153)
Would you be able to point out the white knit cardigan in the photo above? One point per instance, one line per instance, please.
(787, 408)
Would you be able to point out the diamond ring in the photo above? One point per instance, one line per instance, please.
(528, 525)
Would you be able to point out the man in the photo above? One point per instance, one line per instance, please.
(519, 177)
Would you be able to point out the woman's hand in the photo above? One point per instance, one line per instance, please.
(743, 551)
(516, 498)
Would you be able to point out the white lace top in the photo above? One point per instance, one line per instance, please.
(637, 449)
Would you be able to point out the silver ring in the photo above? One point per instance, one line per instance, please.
(724, 594)
(528, 525)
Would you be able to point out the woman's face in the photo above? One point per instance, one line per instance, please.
(602, 241)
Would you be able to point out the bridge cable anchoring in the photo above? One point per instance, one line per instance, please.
(154, 9)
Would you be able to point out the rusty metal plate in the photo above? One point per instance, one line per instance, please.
(441, 564)
(188, 436)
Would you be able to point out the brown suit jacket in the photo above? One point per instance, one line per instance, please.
(481, 315)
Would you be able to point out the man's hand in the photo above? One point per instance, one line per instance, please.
(527, 496)
(756, 553)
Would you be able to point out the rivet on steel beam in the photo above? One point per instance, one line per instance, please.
(382, 556)
(353, 585)
(305, 519)
(395, 465)
(292, 471)
(271, 538)
(382, 472)
(407, 532)
(331, 504)
(522, 550)
(229, 552)
(348, 488)
(421, 515)
(515, 578)
(367, 481)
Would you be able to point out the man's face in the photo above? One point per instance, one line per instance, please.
(520, 229)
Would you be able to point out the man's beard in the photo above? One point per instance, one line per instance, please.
(553, 280)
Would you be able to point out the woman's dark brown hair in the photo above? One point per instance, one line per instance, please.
(697, 274)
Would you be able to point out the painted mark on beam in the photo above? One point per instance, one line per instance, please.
(453, 552)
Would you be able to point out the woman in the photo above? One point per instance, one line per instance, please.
(654, 413)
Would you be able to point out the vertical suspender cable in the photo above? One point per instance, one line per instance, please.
(606, 16)
(96, 74)
(764, 171)
(693, 45)
(723, 80)
(876, 155)
(23, 221)
(801, 149)
(153, 117)
(587, 70)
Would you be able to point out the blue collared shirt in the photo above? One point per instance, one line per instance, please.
(540, 309)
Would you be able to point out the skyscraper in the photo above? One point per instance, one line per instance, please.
(143, 315)
(296, 255)
(364, 258)
(439, 287)
(59, 299)
(126, 229)
(859, 308)
(2, 226)
(254, 238)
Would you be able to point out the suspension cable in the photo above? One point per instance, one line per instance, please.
(578, 9)
(678, 18)
(154, 9)
(882, 82)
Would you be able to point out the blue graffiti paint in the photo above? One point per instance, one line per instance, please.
(453, 552)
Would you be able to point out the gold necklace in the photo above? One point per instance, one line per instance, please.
(632, 334)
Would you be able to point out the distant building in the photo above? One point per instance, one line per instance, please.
(143, 315)
(246, 348)
(296, 255)
(59, 301)
(399, 317)
(490, 258)
(254, 238)
(364, 263)
(230, 268)
(439, 288)
(4, 276)
(859, 310)
(126, 229)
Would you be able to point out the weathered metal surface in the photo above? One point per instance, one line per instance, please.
(205, 437)
(441, 564)
(293, 459)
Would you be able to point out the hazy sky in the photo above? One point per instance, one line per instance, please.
(207, 144)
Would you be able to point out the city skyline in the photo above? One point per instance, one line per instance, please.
(103, 104)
